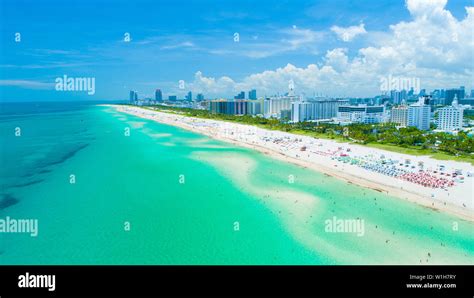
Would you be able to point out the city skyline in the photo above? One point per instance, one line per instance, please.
(398, 94)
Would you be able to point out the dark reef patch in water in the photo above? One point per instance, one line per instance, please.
(41, 166)
(29, 174)
(28, 183)
(33, 172)
(7, 200)
(67, 156)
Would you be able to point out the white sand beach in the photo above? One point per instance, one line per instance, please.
(441, 185)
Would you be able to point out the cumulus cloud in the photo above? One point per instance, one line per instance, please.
(210, 85)
(348, 33)
(432, 46)
(421, 8)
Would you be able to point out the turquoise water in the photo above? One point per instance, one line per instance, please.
(183, 195)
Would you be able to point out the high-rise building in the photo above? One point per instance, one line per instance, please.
(315, 110)
(450, 93)
(302, 111)
(428, 99)
(467, 101)
(189, 97)
(273, 106)
(419, 115)
(241, 95)
(450, 118)
(158, 95)
(435, 94)
(199, 97)
(230, 107)
(442, 93)
(172, 98)
(253, 94)
(399, 115)
(362, 114)
(136, 96)
(397, 97)
(254, 107)
(132, 96)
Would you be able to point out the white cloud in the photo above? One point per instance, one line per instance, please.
(337, 59)
(349, 33)
(433, 46)
(422, 8)
(211, 85)
(185, 44)
(27, 84)
(293, 39)
(301, 37)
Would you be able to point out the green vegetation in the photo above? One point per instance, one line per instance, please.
(408, 140)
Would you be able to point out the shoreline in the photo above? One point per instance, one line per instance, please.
(438, 201)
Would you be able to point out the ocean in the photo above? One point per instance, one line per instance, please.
(111, 188)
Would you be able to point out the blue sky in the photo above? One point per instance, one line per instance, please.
(194, 41)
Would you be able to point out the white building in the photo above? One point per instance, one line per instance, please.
(399, 115)
(254, 107)
(324, 109)
(450, 118)
(362, 114)
(419, 115)
(272, 107)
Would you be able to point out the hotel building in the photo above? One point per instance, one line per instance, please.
(419, 115)
(450, 118)
(272, 107)
(362, 114)
(399, 115)
(315, 110)
(235, 107)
